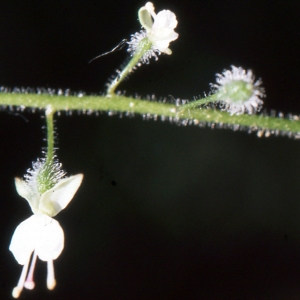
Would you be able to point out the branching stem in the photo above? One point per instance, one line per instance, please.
(129, 105)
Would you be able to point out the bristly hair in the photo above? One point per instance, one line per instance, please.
(44, 175)
(238, 92)
(133, 45)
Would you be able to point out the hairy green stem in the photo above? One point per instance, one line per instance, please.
(196, 103)
(142, 48)
(50, 133)
(115, 103)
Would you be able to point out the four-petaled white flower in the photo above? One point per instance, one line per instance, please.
(159, 30)
(238, 92)
(40, 234)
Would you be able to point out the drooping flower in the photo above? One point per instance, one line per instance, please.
(238, 92)
(158, 29)
(47, 193)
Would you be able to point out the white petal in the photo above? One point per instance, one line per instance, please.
(165, 19)
(57, 198)
(40, 233)
(145, 18)
(166, 51)
(161, 39)
(163, 34)
(51, 239)
(24, 239)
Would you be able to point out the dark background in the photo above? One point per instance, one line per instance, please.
(164, 211)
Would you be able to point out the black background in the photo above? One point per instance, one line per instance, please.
(164, 211)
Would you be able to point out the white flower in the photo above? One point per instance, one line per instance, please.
(40, 234)
(159, 31)
(238, 92)
(43, 236)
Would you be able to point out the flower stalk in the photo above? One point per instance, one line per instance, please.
(143, 46)
(197, 103)
(50, 133)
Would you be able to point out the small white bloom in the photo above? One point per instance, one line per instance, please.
(40, 234)
(238, 92)
(159, 31)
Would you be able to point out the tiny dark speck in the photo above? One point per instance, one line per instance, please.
(286, 237)
(113, 183)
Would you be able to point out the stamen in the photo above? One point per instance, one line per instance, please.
(51, 282)
(29, 283)
(18, 289)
